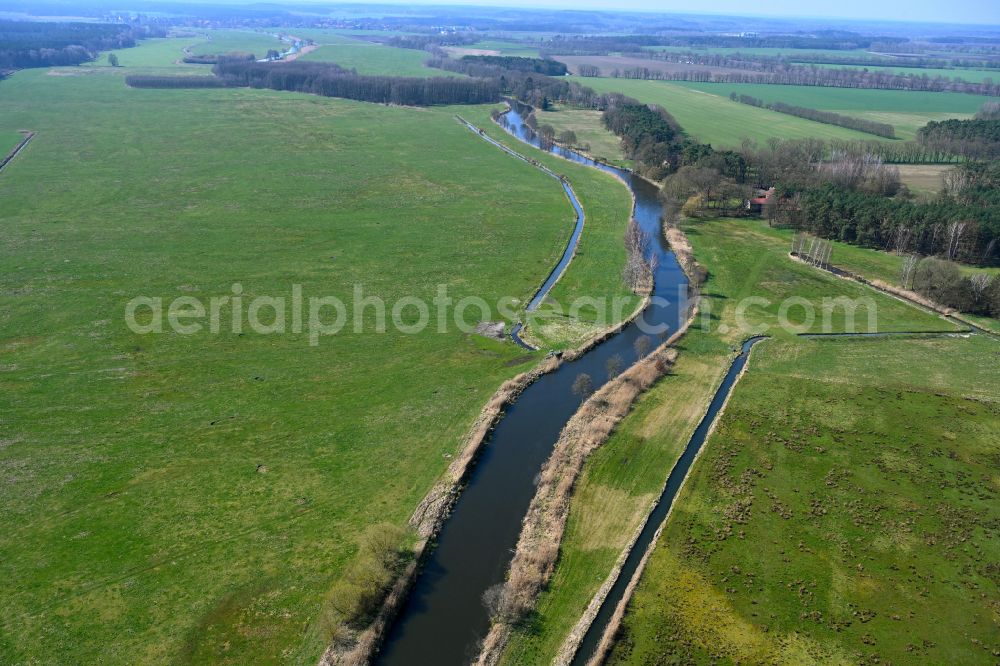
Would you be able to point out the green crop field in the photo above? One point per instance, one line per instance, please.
(906, 110)
(844, 511)
(194, 497)
(623, 477)
(716, 119)
(373, 58)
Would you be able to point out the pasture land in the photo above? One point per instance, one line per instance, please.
(843, 511)
(589, 129)
(718, 120)
(906, 110)
(373, 58)
(623, 477)
(596, 269)
(505, 47)
(194, 497)
(8, 139)
(238, 41)
(971, 75)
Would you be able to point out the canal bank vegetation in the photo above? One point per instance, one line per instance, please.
(538, 546)
(844, 510)
(623, 477)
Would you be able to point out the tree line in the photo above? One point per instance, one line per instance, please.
(818, 76)
(828, 117)
(26, 44)
(961, 224)
(766, 63)
(521, 64)
(977, 138)
(330, 80)
(652, 138)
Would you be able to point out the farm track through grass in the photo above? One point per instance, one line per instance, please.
(194, 497)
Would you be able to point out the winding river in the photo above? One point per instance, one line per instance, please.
(444, 618)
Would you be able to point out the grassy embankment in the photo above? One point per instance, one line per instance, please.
(590, 131)
(596, 268)
(623, 477)
(843, 512)
(195, 496)
(718, 120)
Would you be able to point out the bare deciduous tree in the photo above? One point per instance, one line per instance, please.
(583, 385)
(641, 346)
(614, 366)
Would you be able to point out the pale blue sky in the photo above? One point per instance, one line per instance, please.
(928, 11)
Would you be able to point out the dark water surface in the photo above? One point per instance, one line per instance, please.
(444, 619)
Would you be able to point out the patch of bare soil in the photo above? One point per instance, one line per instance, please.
(608, 64)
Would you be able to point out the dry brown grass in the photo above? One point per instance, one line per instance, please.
(538, 546)
(608, 64)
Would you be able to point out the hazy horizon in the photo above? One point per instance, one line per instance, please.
(983, 12)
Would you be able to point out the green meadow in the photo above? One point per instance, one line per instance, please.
(8, 139)
(906, 110)
(716, 119)
(589, 129)
(596, 267)
(505, 47)
(372, 57)
(194, 497)
(238, 41)
(624, 477)
(843, 511)
(972, 75)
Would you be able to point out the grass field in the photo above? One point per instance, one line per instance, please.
(716, 119)
(844, 511)
(177, 498)
(589, 129)
(973, 75)
(906, 110)
(505, 47)
(623, 477)
(241, 41)
(596, 268)
(8, 139)
(373, 58)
